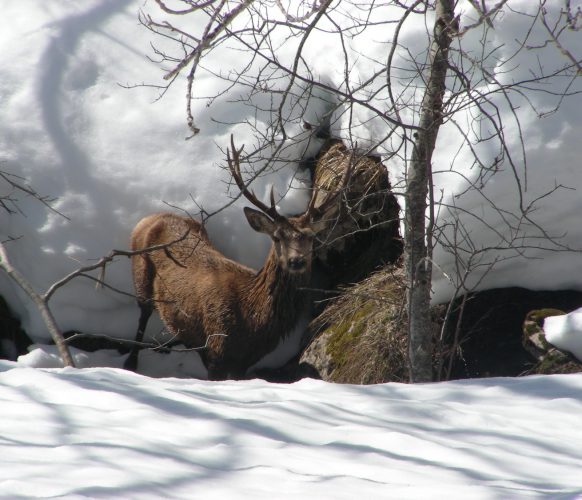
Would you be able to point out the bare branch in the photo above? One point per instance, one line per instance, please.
(102, 263)
(18, 183)
(193, 6)
(554, 33)
(42, 305)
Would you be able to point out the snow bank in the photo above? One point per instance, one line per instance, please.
(102, 432)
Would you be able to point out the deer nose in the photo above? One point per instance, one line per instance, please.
(297, 263)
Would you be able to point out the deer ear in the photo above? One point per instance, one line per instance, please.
(259, 221)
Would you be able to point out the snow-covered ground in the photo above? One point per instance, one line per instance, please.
(108, 433)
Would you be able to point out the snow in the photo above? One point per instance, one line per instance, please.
(109, 433)
(565, 332)
(111, 155)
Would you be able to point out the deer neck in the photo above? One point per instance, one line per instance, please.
(275, 297)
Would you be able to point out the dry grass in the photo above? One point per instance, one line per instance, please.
(368, 176)
(364, 330)
(363, 231)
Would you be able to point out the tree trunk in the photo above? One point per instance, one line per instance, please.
(418, 244)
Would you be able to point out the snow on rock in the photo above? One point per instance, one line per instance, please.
(565, 332)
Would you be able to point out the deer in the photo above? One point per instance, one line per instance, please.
(236, 314)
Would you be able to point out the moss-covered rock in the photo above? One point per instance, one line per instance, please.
(361, 336)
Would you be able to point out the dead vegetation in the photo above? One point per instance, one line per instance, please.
(361, 335)
(364, 232)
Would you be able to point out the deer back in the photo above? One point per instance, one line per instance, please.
(194, 287)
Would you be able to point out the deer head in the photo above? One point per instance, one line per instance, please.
(292, 237)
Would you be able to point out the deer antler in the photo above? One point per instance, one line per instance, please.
(233, 160)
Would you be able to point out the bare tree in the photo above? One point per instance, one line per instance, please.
(392, 101)
(418, 254)
(13, 186)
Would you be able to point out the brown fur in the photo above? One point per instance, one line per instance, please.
(206, 299)
(235, 314)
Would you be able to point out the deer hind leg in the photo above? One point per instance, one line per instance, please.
(143, 274)
(146, 309)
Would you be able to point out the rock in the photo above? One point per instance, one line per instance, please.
(13, 340)
(362, 335)
(548, 358)
(364, 231)
(492, 329)
(360, 338)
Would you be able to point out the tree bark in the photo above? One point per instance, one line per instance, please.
(418, 244)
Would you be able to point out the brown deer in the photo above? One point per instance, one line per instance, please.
(205, 299)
